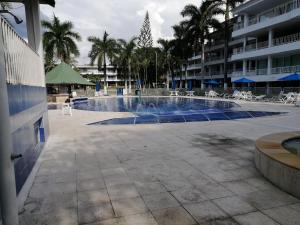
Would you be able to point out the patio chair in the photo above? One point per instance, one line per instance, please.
(213, 94)
(289, 98)
(66, 109)
(297, 102)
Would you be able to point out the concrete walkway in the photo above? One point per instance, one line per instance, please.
(167, 174)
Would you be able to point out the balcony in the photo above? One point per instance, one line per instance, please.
(22, 64)
(266, 19)
(287, 69)
(279, 45)
(264, 72)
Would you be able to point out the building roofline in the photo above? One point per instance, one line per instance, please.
(245, 5)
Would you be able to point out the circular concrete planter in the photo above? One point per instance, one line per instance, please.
(278, 165)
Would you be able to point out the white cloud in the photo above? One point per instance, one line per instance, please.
(120, 18)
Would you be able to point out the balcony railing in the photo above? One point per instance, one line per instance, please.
(286, 39)
(275, 42)
(277, 70)
(213, 58)
(274, 12)
(238, 26)
(286, 69)
(22, 64)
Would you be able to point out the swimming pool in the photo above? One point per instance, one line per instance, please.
(149, 110)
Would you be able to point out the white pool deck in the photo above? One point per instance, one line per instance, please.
(159, 174)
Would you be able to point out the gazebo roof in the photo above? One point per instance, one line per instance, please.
(64, 74)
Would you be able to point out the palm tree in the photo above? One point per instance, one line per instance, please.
(225, 7)
(183, 47)
(102, 50)
(59, 40)
(200, 21)
(127, 55)
(165, 50)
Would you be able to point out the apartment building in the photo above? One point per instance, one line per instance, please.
(88, 71)
(264, 46)
(271, 41)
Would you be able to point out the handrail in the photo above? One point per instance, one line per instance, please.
(22, 64)
(286, 39)
(286, 69)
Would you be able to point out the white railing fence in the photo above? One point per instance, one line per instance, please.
(22, 64)
(286, 69)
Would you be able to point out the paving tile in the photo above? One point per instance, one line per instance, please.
(91, 184)
(121, 191)
(189, 196)
(88, 174)
(130, 206)
(239, 187)
(88, 198)
(106, 222)
(149, 188)
(160, 201)
(269, 198)
(176, 184)
(260, 183)
(224, 222)
(95, 213)
(205, 211)
(138, 219)
(255, 218)
(173, 216)
(234, 205)
(214, 190)
(285, 215)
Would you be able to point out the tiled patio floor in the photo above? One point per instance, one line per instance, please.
(171, 174)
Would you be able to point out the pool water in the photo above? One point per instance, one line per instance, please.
(293, 145)
(149, 110)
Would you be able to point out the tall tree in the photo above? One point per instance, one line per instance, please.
(200, 21)
(226, 7)
(59, 40)
(183, 47)
(165, 51)
(145, 43)
(103, 50)
(145, 39)
(127, 56)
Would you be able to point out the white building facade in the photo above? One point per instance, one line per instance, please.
(112, 77)
(264, 46)
(271, 40)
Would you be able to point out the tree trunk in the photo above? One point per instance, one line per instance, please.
(186, 75)
(226, 39)
(202, 65)
(129, 77)
(104, 71)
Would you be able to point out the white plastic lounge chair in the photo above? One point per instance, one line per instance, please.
(190, 93)
(74, 94)
(212, 94)
(66, 109)
(174, 93)
(289, 98)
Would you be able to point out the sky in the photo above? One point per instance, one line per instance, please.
(120, 18)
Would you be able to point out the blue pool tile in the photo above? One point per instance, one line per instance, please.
(237, 114)
(146, 119)
(195, 117)
(217, 116)
(171, 119)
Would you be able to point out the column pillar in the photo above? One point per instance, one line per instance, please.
(244, 67)
(32, 10)
(271, 34)
(246, 20)
(270, 65)
(8, 196)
